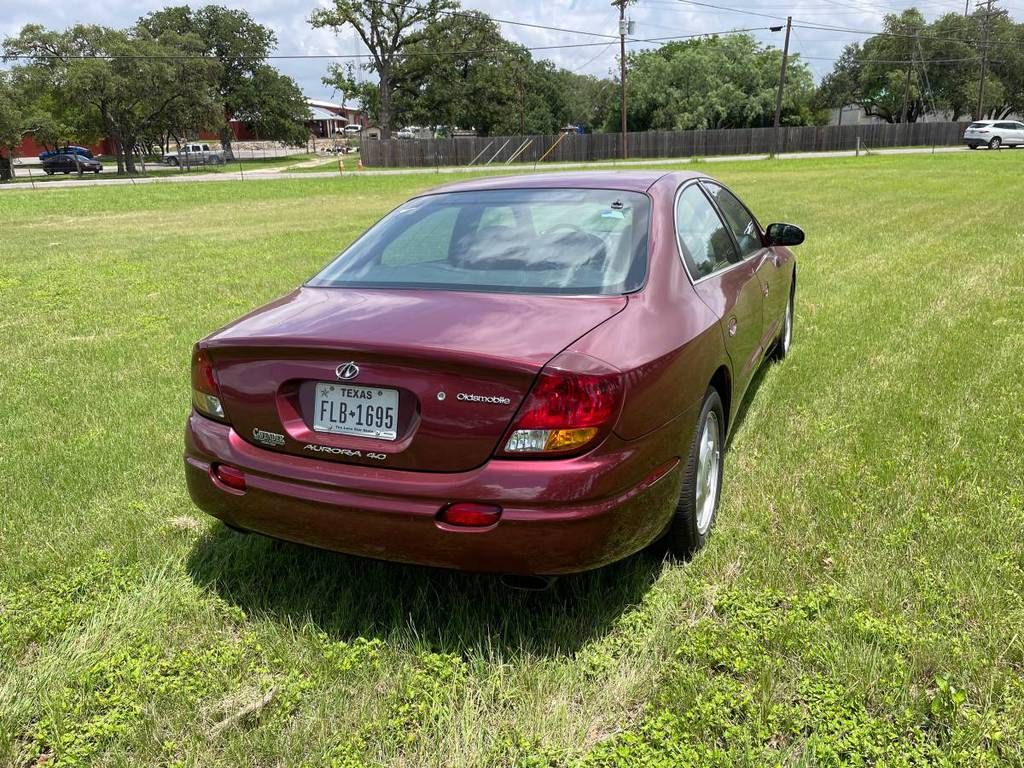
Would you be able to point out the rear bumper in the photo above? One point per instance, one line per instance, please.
(559, 516)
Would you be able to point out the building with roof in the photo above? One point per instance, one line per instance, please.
(329, 118)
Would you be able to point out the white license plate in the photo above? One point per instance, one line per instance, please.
(343, 409)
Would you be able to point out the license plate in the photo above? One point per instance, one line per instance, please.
(343, 409)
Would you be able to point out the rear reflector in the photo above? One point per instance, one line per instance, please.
(470, 515)
(229, 476)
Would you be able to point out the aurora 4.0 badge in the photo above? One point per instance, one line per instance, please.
(349, 452)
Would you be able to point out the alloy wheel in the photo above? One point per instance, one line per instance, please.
(787, 328)
(709, 463)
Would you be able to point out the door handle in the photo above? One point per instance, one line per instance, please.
(732, 326)
(764, 288)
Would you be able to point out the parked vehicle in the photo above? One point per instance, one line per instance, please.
(194, 154)
(523, 375)
(71, 163)
(351, 129)
(67, 150)
(994, 134)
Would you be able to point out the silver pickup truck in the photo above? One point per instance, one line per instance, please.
(194, 154)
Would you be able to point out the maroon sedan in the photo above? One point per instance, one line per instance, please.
(524, 375)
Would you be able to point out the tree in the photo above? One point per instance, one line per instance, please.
(19, 115)
(129, 79)
(941, 64)
(716, 82)
(386, 27)
(457, 72)
(248, 89)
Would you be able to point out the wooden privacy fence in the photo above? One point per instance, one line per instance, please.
(500, 150)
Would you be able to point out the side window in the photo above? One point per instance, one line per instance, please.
(739, 220)
(206, 147)
(425, 240)
(703, 239)
(1005, 125)
(497, 216)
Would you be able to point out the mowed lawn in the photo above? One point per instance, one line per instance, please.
(859, 604)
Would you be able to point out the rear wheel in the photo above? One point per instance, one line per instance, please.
(172, 161)
(996, 143)
(702, 482)
(972, 146)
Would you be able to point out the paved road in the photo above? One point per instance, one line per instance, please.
(252, 175)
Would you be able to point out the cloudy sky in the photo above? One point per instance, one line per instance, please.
(655, 18)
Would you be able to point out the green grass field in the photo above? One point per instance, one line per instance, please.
(859, 604)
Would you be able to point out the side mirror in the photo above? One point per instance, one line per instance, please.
(784, 234)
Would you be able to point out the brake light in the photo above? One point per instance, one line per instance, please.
(567, 409)
(205, 392)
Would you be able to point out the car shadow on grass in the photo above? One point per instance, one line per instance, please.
(349, 597)
(741, 414)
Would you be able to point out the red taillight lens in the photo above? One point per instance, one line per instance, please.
(229, 476)
(470, 515)
(570, 404)
(205, 392)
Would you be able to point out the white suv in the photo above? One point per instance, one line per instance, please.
(994, 134)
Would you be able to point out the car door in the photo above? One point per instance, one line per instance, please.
(725, 282)
(750, 241)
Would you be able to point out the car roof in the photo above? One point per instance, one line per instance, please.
(629, 181)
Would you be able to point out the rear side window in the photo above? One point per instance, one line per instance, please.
(1010, 126)
(742, 224)
(705, 244)
(564, 241)
(978, 125)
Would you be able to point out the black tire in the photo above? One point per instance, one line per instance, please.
(687, 535)
(172, 161)
(785, 340)
(996, 143)
(972, 146)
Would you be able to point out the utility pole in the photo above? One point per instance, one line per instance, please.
(624, 29)
(906, 90)
(984, 56)
(782, 83)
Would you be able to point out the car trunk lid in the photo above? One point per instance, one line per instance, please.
(440, 374)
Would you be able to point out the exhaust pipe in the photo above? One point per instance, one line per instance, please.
(528, 583)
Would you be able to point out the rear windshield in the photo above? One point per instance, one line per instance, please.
(566, 241)
(978, 125)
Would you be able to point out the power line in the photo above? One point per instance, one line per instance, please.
(360, 56)
(804, 24)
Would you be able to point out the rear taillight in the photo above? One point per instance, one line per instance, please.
(205, 392)
(574, 401)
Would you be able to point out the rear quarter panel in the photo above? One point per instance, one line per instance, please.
(667, 341)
